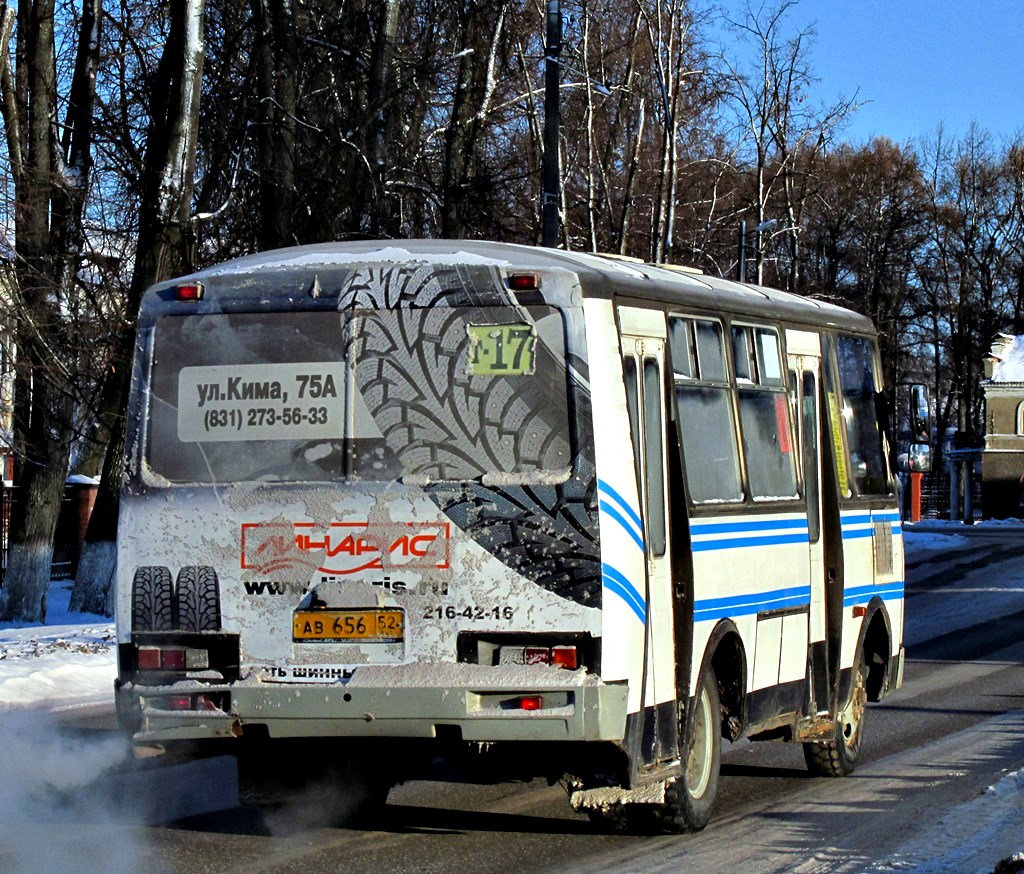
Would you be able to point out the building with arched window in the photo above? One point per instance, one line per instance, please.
(1002, 487)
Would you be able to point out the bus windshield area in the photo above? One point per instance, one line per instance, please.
(421, 395)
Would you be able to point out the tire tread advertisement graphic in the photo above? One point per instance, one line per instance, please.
(530, 434)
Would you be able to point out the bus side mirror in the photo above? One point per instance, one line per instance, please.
(920, 458)
(920, 414)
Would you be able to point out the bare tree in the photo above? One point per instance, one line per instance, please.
(164, 249)
(780, 126)
(277, 61)
(482, 27)
(51, 181)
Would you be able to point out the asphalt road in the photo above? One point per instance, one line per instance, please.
(951, 730)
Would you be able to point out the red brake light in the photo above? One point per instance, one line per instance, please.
(524, 282)
(149, 658)
(172, 659)
(537, 655)
(531, 702)
(179, 702)
(564, 657)
(189, 291)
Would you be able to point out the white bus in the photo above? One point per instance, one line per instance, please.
(386, 499)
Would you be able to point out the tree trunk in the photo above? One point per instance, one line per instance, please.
(164, 249)
(482, 30)
(381, 99)
(50, 192)
(277, 68)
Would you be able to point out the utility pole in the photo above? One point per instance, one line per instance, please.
(550, 176)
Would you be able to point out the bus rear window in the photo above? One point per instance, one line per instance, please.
(424, 395)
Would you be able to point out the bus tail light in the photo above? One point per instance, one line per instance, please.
(149, 658)
(531, 702)
(172, 658)
(564, 657)
(524, 281)
(215, 702)
(189, 291)
(536, 655)
(556, 656)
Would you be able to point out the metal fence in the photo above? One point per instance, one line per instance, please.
(65, 547)
(946, 487)
(6, 505)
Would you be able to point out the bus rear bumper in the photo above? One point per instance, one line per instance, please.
(156, 714)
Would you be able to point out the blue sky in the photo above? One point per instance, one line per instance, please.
(919, 63)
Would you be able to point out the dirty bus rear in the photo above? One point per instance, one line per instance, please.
(387, 501)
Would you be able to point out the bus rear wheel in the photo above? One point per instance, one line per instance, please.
(838, 758)
(689, 798)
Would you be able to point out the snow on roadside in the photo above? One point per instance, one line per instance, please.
(970, 838)
(915, 542)
(70, 660)
(975, 835)
(933, 534)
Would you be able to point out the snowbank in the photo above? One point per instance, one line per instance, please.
(73, 660)
(970, 835)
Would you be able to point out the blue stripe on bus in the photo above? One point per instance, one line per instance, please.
(616, 582)
(755, 602)
(855, 519)
(893, 517)
(699, 528)
(756, 540)
(617, 516)
(602, 486)
(863, 594)
(851, 524)
(763, 532)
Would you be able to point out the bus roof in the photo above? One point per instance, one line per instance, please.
(599, 275)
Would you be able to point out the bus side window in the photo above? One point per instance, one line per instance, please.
(768, 443)
(809, 415)
(632, 407)
(654, 457)
(704, 412)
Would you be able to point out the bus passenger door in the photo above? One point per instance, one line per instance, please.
(807, 377)
(822, 475)
(643, 350)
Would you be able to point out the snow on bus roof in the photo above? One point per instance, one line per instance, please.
(317, 256)
(516, 256)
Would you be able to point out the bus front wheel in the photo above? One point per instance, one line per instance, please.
(838, 758)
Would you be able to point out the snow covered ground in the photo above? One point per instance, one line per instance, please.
(71, 662)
